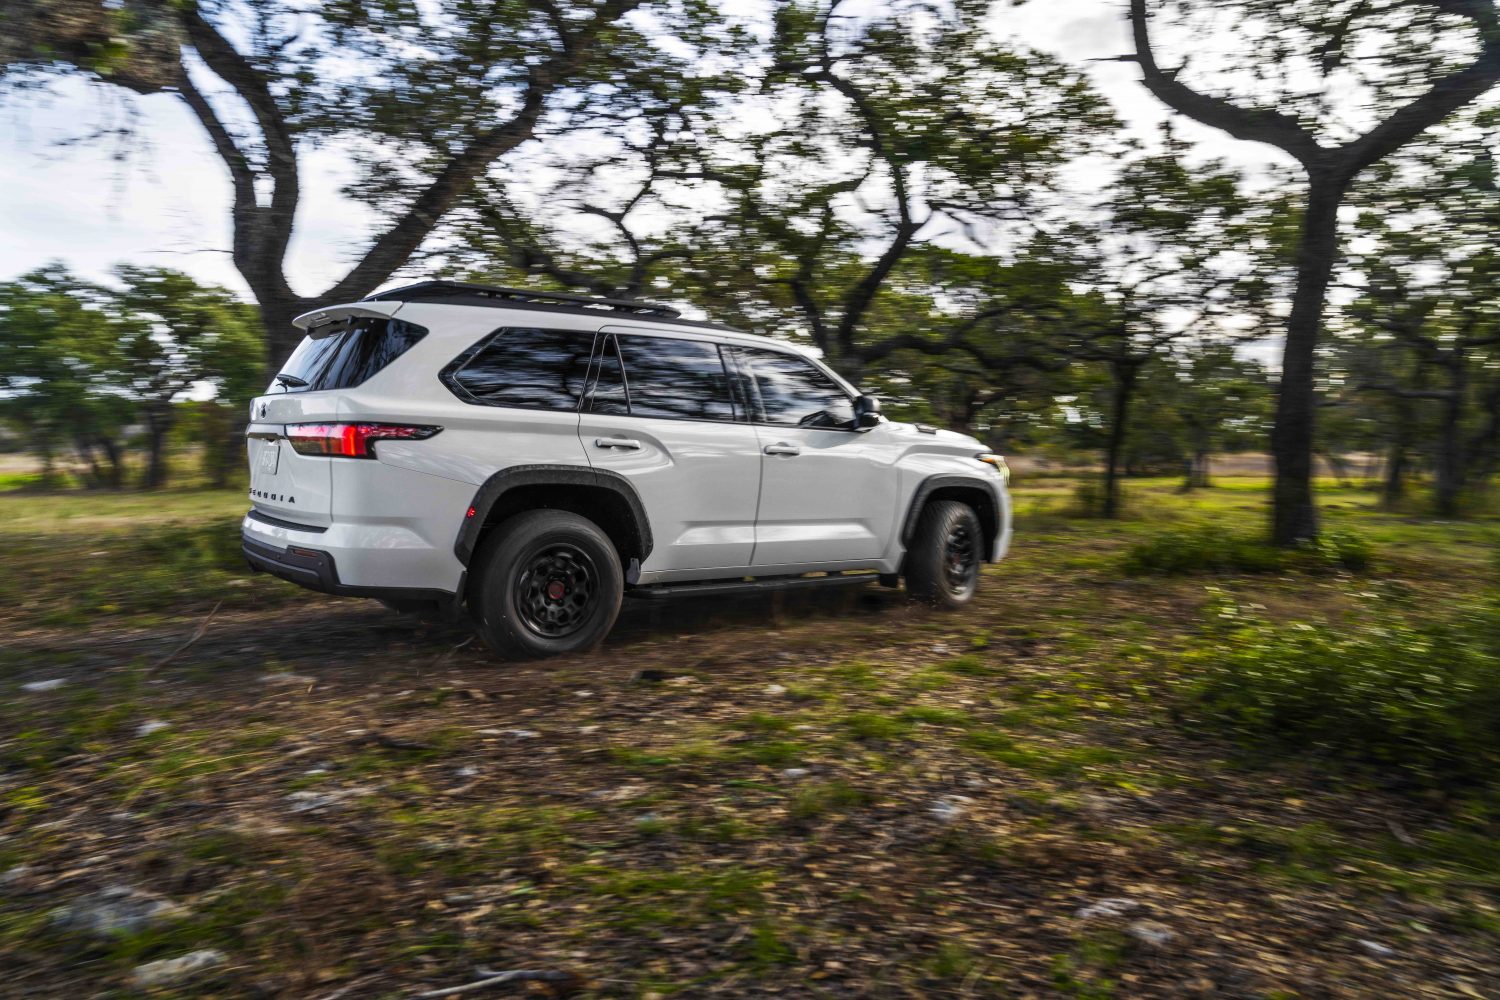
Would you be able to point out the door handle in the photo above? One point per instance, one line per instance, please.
(782, 448)
(629, 443)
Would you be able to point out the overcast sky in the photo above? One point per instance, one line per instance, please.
(167, 204)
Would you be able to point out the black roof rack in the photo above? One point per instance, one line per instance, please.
(496, 295)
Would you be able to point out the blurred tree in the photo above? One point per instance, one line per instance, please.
(59, 341)
(1164, 261)
(84, 361)
(1427, 273)
(1222, 402)
(421, 98)
(1415, 62)
(176, 336)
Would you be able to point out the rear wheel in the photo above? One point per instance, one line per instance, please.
(549, 583)
(942, 565)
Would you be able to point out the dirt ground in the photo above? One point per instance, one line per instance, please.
(809, 795)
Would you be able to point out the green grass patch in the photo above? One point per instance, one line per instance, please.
(1211, 548)
(1418, 700)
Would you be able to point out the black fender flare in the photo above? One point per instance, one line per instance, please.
(517, 476)
(934, 483)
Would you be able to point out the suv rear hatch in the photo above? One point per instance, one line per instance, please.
(291, 478)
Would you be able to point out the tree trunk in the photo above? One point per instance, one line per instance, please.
(116, 475)
(158, 423)
(1395, 474)
(1294, 515)
(276, 315)
(94, 477)
(1200, 469)
(1449, 473)
(1124, 389)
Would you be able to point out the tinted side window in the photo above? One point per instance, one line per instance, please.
(535, 369)
(675, 378)
(367, 347)
(794, 392)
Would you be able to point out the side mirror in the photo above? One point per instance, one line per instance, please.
(866, 412)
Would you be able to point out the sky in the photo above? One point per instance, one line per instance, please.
(166, 204)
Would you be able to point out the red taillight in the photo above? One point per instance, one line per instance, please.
(351, 440)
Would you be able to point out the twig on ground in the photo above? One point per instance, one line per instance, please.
(392, 742)
(495, 978)
(345, 990)
(197, 634)
(1399, 832)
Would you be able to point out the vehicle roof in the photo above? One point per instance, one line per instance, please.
(612, 312)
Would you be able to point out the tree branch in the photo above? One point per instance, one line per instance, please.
(1252, 124)
(392, 248)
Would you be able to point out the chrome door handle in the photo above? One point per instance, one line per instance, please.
(616, 443)
(782, 449)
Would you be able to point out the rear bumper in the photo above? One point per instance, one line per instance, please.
(317, 570)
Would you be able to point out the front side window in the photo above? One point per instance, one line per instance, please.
(662, 377)
(524, 367)
(343, 354)
(792, 391)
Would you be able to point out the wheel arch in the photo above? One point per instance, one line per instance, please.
(606, 498)
(977, 493)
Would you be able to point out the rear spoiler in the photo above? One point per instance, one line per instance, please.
(321, 317)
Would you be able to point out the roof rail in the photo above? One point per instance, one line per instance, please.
(500, 296)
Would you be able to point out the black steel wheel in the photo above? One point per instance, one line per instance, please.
(947, 550)
(555, 589)
(547, 582)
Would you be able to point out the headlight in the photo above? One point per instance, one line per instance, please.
(998, 462)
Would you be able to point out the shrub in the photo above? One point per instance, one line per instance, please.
(1208, 548)
(1088, 498)
(1423, 700)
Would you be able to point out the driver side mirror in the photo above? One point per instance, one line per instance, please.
(866, 412)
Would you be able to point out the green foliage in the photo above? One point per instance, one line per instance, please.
(1419, 699)
(85, 360)
(1211, 549)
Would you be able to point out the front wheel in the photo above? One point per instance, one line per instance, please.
(942, 565)
(549, 583)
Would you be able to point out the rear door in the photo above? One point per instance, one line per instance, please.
(828, 492)
(659, 412)
(348, 347)
(284, 484)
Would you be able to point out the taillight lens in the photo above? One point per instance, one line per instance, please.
(351, 440)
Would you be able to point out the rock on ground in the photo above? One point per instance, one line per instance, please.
(174, 970)
(117, 909)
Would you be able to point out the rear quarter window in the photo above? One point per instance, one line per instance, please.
(523, 367)
(344, 354)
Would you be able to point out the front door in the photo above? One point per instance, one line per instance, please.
(659, 413)
(828, 491)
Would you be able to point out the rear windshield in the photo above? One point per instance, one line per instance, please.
(341, 355)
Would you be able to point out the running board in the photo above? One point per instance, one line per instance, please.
(661, 590)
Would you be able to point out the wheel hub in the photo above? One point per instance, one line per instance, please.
(960, 562)
(555, 590)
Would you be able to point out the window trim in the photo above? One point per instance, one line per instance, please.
(448, 376)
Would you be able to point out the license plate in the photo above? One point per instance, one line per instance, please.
(270, 455)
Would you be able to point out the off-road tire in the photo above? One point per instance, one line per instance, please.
(548, 582)
(947, 550)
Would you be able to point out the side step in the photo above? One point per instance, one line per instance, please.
(760, 584)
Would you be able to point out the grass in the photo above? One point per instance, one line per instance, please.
(855, 797)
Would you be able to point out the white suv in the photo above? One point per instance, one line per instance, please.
(539, 456)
